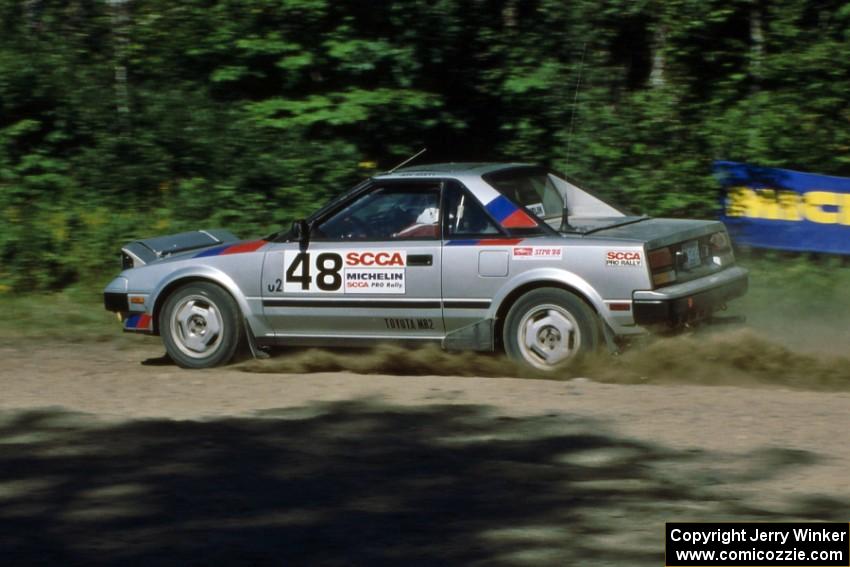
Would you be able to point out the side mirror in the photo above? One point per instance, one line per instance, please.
(301, 231)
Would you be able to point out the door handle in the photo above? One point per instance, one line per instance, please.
(420, 260)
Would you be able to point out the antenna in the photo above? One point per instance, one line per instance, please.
(565, 212)
(410, 159)
(575, 106)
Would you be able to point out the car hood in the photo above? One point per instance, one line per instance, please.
(174, 246)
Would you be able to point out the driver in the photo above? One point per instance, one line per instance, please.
(427, 225)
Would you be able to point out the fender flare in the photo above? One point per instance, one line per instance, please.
(557, 278)
(197, 273)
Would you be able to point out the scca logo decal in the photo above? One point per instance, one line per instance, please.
(623, 256)
(382, 259)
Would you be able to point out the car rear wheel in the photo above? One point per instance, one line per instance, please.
(200, 326)
(550, 328)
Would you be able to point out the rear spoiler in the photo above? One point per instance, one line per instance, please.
(141, 252)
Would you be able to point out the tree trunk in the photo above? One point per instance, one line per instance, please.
(30, 16)
(120, 33)
(656, 75)
(756, 45)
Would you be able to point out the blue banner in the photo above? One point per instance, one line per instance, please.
(767, 207)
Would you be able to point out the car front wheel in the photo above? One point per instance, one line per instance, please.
(548, 328)
(200, 326)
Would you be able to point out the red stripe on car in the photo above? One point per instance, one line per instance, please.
(519, 219)
(244, 247)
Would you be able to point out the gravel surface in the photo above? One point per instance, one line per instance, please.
(109, 454)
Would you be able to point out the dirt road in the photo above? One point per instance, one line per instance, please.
(108, 455)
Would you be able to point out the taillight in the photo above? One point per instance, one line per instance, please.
(719, 242)
(721, 249)
(660, 258)
(661, 266)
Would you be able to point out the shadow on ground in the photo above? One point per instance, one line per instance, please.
(359, 483)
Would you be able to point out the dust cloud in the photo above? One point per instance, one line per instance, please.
(427, 360)
(739, 357)
(796, 336)
(736, 357)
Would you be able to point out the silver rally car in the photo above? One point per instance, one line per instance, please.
(473, 256)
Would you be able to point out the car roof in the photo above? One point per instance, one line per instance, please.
(471, 175)
(450, 169)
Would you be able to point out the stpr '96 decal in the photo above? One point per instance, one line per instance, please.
(346, 271)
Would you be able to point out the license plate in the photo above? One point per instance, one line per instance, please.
(691, 251)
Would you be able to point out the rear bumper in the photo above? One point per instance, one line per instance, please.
(690, 301)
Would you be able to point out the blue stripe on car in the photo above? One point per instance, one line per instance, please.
(212, 251)
(501, 208)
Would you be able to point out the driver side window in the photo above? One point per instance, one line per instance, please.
(408, 212)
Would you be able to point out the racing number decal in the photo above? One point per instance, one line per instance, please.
(370, 271)
(299, 269)
(302, 261)
(328, 276)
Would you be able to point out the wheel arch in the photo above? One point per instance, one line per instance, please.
(592, 300)
(166, 289)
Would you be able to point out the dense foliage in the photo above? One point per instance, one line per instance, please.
(129, 118)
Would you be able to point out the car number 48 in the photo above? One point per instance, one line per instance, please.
(311, 272)
(342, 271)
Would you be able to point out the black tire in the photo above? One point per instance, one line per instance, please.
(201, 326)
(550, 322)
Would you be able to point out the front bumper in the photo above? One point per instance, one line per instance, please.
(117, 302)
(131, 307)
(138, 323)
(690, 301)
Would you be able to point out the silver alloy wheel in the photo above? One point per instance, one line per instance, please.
(196, 326)
(548, 335)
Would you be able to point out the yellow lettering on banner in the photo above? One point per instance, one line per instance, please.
(779, 205)
(789, 206)
(743, 202)
(792, 205)
(765, 204)
(815, 201)
(845, 210)
(768, 204)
